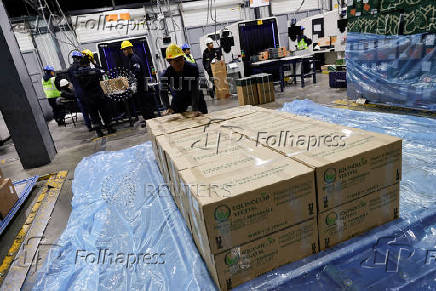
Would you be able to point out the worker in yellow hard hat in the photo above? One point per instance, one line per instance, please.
(142, 101)
(89, 55)
(181, 78)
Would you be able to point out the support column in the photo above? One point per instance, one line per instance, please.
(19, 103)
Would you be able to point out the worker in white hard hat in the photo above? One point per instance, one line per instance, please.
(209, 54)
(181, 80)
(67, 92)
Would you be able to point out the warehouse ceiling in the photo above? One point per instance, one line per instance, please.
(19, 8)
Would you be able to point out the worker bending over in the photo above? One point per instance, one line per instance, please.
(94, 99)
(181, 78)
(52, 94)
(187, 51)
(143, 101)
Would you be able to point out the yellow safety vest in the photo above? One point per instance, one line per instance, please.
(302, 45)
(189, 58)
(50, 88)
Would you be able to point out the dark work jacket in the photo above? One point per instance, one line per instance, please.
(68, 93)
(136, 66)
(77, 90)
(88, 80)
(208, 56)
(183, 87)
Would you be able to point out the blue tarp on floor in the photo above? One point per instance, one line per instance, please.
(117, 211)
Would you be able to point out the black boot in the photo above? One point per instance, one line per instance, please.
(111, 130)
(99, 132)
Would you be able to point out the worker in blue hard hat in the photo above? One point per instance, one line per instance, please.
(77, 57)
(187, 51)
(93, 96)
(52, 94)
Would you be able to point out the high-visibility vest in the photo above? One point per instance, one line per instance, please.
(302, 45)
(50, 88)
(189, 58)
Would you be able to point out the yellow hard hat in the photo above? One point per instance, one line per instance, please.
(174, 51)
(89, 54)
(126, 44)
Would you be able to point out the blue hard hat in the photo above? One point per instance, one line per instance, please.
(302, 28)
(185, 46)
(49, 68)
(77, 54)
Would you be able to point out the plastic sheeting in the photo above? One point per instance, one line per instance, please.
(394, 70)
(116, 207)
(120, 206)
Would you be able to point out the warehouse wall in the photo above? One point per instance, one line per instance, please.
(188, 24)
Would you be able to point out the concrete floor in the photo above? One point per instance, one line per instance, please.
(73, 144)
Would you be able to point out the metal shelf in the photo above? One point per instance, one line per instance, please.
(29, 184)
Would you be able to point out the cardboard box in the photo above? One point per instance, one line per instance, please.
(248, 261)
(349, 163)
(8, 197)
(169, 132)
(169, 124)
(245, 195)
(353, 218)
(263, 56)
(115, 86)
(247, 91)
(219, 71)
(265, 88)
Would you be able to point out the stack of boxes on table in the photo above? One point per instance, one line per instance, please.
(8, 196)
(270, 54)
(260, 188)
(256, 89)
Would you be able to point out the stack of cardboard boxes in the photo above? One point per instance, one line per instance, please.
(247, 91)
(260, 188)
(272, 53)
(8, 196)
(257, 89)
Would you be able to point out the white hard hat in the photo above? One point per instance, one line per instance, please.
(63, 83)
(209, 40)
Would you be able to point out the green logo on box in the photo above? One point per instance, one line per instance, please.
(231, 259)
(330, 175)
(331, 218)
(222, 213)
